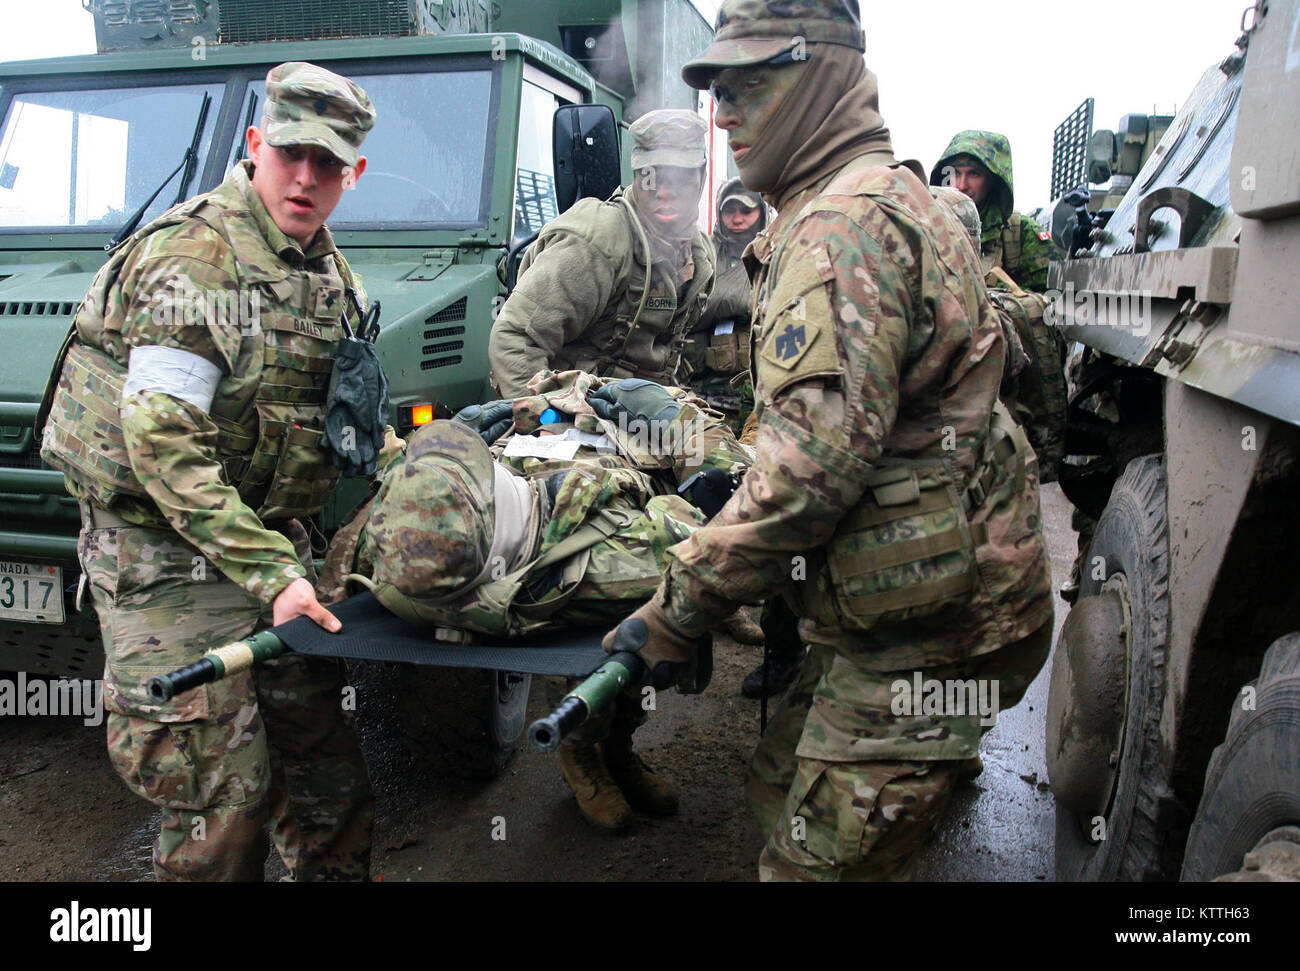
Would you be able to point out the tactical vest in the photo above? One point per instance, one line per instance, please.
(1038, 395)
(269, 411)
(648, 325)
(908, 549)
(1006, 250)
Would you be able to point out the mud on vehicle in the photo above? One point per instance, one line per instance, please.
(1174, 715)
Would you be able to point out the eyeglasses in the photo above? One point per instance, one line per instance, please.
(724, 93)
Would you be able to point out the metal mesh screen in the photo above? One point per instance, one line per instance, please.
(1070, 151)
(251, 21)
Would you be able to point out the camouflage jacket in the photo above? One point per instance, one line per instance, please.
(190, 463)
(1010, 240)
(878, 350)
(617, 478)
(580, 292)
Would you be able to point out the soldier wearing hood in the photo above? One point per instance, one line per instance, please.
(978, 163)
(718, 349)
(892, 500)
(612, 288)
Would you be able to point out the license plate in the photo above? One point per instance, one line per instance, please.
(31, 593)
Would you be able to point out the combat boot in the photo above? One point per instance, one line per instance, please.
(741, 629)
(599, 798)
(781, 672)
(644, 788)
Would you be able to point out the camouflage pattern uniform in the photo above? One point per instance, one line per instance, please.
(466, 539)
(189, 513)
(876, 381)
(582, 301)
(718, 349)
(1010, 240)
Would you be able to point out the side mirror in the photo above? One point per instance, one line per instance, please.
(1101, 153)
(587, 161)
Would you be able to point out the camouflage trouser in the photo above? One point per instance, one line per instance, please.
(624, 716)
(862, 820)
(223, 760)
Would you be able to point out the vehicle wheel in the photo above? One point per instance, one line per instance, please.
(1140, 838)
(1252, 785)
(463, 721)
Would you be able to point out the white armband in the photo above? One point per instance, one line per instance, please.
(181, 374)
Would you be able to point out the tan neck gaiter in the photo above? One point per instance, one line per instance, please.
(830, 117)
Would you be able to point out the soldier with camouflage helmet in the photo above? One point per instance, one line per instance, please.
(613, 288)
(978, 163)
(892, 500)
(192, 438)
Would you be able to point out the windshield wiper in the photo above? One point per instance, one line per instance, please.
(188, 163)
(248, 122)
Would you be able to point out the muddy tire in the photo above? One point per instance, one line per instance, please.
(1252, 785)
(462, 722)
(1143, 826)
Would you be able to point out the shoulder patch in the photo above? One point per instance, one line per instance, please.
(798, 339)
(1045, 236)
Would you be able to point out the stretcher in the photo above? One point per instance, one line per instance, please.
(372, 633)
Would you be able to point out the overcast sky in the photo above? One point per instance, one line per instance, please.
(1014, 66)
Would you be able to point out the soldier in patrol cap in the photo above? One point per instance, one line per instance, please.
(192, 438)
(892, 500)
(612, 288)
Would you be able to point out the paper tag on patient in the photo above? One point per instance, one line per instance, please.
(542, 447)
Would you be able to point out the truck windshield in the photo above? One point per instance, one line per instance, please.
(427, 154)
(90, 158)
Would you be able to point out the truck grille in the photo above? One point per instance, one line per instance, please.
(37, 308)
(438, 355)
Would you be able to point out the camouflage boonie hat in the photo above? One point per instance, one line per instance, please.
(308, 105)
(430, 531)
(750, 32)
(669, 136)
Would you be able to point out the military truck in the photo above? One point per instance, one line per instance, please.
(461, 175)
(1173, 741)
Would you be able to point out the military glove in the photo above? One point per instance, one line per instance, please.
(357, 408)
(649, 633)
(636, 398)
(491, 420)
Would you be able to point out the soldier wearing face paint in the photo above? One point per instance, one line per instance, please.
(718, 350)
(193, 439)
(612, 288)
(893, 501)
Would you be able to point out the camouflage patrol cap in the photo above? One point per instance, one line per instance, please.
(430, 532)
(308, 105)
(669, 136)
(750, 32)
(963, 207)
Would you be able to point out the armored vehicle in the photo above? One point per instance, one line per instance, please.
(461, 175)
(1174, 714)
